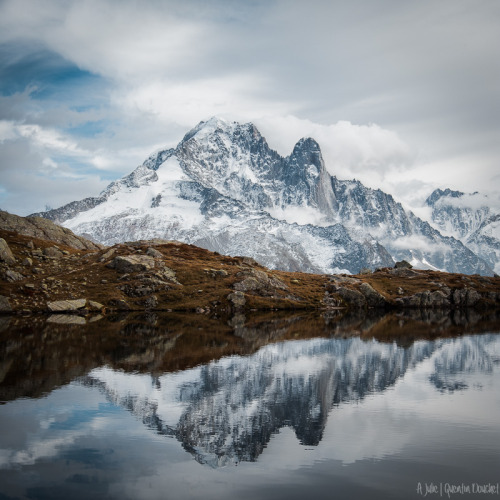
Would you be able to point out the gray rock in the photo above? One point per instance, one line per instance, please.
(27, 262)
(373, 298)
(259, 281)
(11, 275)
(6, 254)
(248, 284)
(249, 261)
(107, 255)
(352, 298)
(67, 306)
(52, 252)
(472, 298)
(95, 306)
(168, 274)
(132, 263)
(152, 252)
(402, 264)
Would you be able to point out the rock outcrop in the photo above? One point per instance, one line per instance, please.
(41, 228)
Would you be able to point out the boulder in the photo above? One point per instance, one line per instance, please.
(6, 254)
(95, 306)
(402, 264)
(351, 297)
(11, 275)
(152, 252)
(132, 263)
(52, 252)
(67, 306)
(373, 298)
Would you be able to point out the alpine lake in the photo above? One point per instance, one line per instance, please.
(272, 406)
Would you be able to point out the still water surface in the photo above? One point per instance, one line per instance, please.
(278, 407)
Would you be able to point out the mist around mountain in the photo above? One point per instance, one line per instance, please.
(224, 189)
(474, 219)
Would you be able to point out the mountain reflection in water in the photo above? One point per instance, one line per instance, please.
(39, 354)
(241, 380)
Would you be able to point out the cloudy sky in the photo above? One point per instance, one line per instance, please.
(404, 96)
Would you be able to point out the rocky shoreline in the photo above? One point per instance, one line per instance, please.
(51, 270)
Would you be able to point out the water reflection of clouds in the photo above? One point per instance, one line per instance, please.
(88, 428)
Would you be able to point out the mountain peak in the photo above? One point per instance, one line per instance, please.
(210, 126)
(437, 194)
(225, 189)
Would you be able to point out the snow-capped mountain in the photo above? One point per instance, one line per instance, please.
(223, 188)
(226, 411)
(470, 218)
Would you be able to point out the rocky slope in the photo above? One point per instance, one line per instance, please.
(224, 189)
(39, 276)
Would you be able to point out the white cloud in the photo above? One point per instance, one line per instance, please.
(396, 96)
(474, 201)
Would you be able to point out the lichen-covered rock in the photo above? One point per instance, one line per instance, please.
(6, 254)
(237, 299)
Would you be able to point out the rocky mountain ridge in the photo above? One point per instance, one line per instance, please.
(470, 218)
(224, 189)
